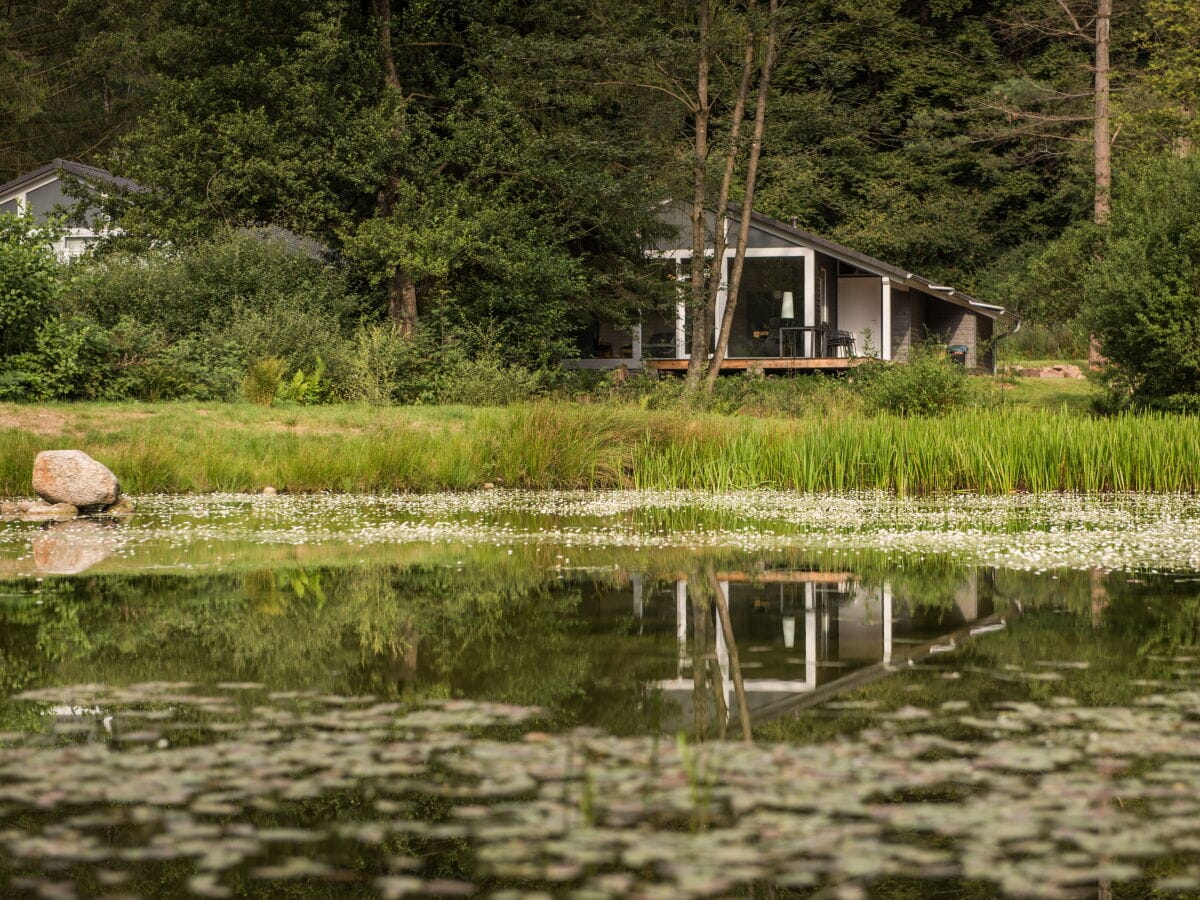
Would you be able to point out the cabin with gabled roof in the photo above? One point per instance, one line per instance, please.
(805, 302)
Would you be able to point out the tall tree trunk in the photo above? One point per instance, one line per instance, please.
(402, 301)
(697, 299)
(402, 293)
(739, 256)
(732, 152)
(1102, 143)
(1103, 123)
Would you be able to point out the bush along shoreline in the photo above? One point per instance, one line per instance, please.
(177, 448)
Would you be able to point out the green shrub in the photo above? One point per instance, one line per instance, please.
(144, 364)
(66, 362)
(384, 366)
(30, 280)
(216, 284)
(1068, 340)
(303, 388)
(1144, 288)
(187, 322)
(262, 381)
(929, 384)
(487, 381)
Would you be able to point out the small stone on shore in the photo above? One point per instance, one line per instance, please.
(39, 510)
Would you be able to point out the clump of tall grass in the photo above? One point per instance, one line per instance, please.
(549, 445)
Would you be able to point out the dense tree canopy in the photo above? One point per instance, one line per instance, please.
(492, 168)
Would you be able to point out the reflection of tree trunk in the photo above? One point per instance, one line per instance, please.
(1099, 597)
(717, 680)
(402, 661)
(699, 661)
(735, 666)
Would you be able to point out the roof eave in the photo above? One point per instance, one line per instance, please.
(881, 268)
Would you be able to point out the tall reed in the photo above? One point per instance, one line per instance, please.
(545, 445)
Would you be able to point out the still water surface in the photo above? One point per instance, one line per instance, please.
(552, 693)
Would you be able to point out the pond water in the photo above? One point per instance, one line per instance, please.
(571, 694)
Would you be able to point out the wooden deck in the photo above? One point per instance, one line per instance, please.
(769, 364)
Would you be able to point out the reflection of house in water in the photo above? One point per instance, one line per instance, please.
(805, 635)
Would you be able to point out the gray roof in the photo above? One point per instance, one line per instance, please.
(879, 267)
(91, 174)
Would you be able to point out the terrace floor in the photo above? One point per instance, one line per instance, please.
(767, 364)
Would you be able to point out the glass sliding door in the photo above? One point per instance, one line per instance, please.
(770, 305)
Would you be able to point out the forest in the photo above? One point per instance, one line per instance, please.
(483, 176)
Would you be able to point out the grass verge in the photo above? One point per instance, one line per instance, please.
(181, 448)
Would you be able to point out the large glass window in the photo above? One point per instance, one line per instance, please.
(770, 304)
(604, 340)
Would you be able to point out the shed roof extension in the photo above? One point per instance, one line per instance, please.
(881, 268)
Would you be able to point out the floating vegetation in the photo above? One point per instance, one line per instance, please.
(298, 740)
(1115, 531)
(1034, 800)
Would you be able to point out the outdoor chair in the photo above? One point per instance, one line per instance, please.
(841, 340)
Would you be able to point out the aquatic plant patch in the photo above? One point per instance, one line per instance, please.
(164, 789)
(1018, 531)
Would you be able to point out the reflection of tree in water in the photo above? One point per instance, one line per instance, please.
(521, 633)
(393, 632)
(711, 713)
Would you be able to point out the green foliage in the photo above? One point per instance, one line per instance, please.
(386, 366)
(378, 358)
(930, 384)
(1144, 290)
(1044, 282)
(186, 323)
(1066, 340)
(302, 388)
(488, 381)
(233, 281)
(1162, 116)
(30, 279)
(263, 380)
(559, 445)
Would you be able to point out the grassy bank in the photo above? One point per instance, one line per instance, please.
(185, 448)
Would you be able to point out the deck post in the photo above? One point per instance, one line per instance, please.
(888, 622)
(810, 636)
(885, 319)
(681, 345)
(810, 300)
(722, 300)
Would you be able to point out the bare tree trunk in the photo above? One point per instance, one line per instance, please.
(1103, 125)
(402, 301)
(699, 338)
(402, 293)
(1102, 144)
(739, 257)
(732, 151)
